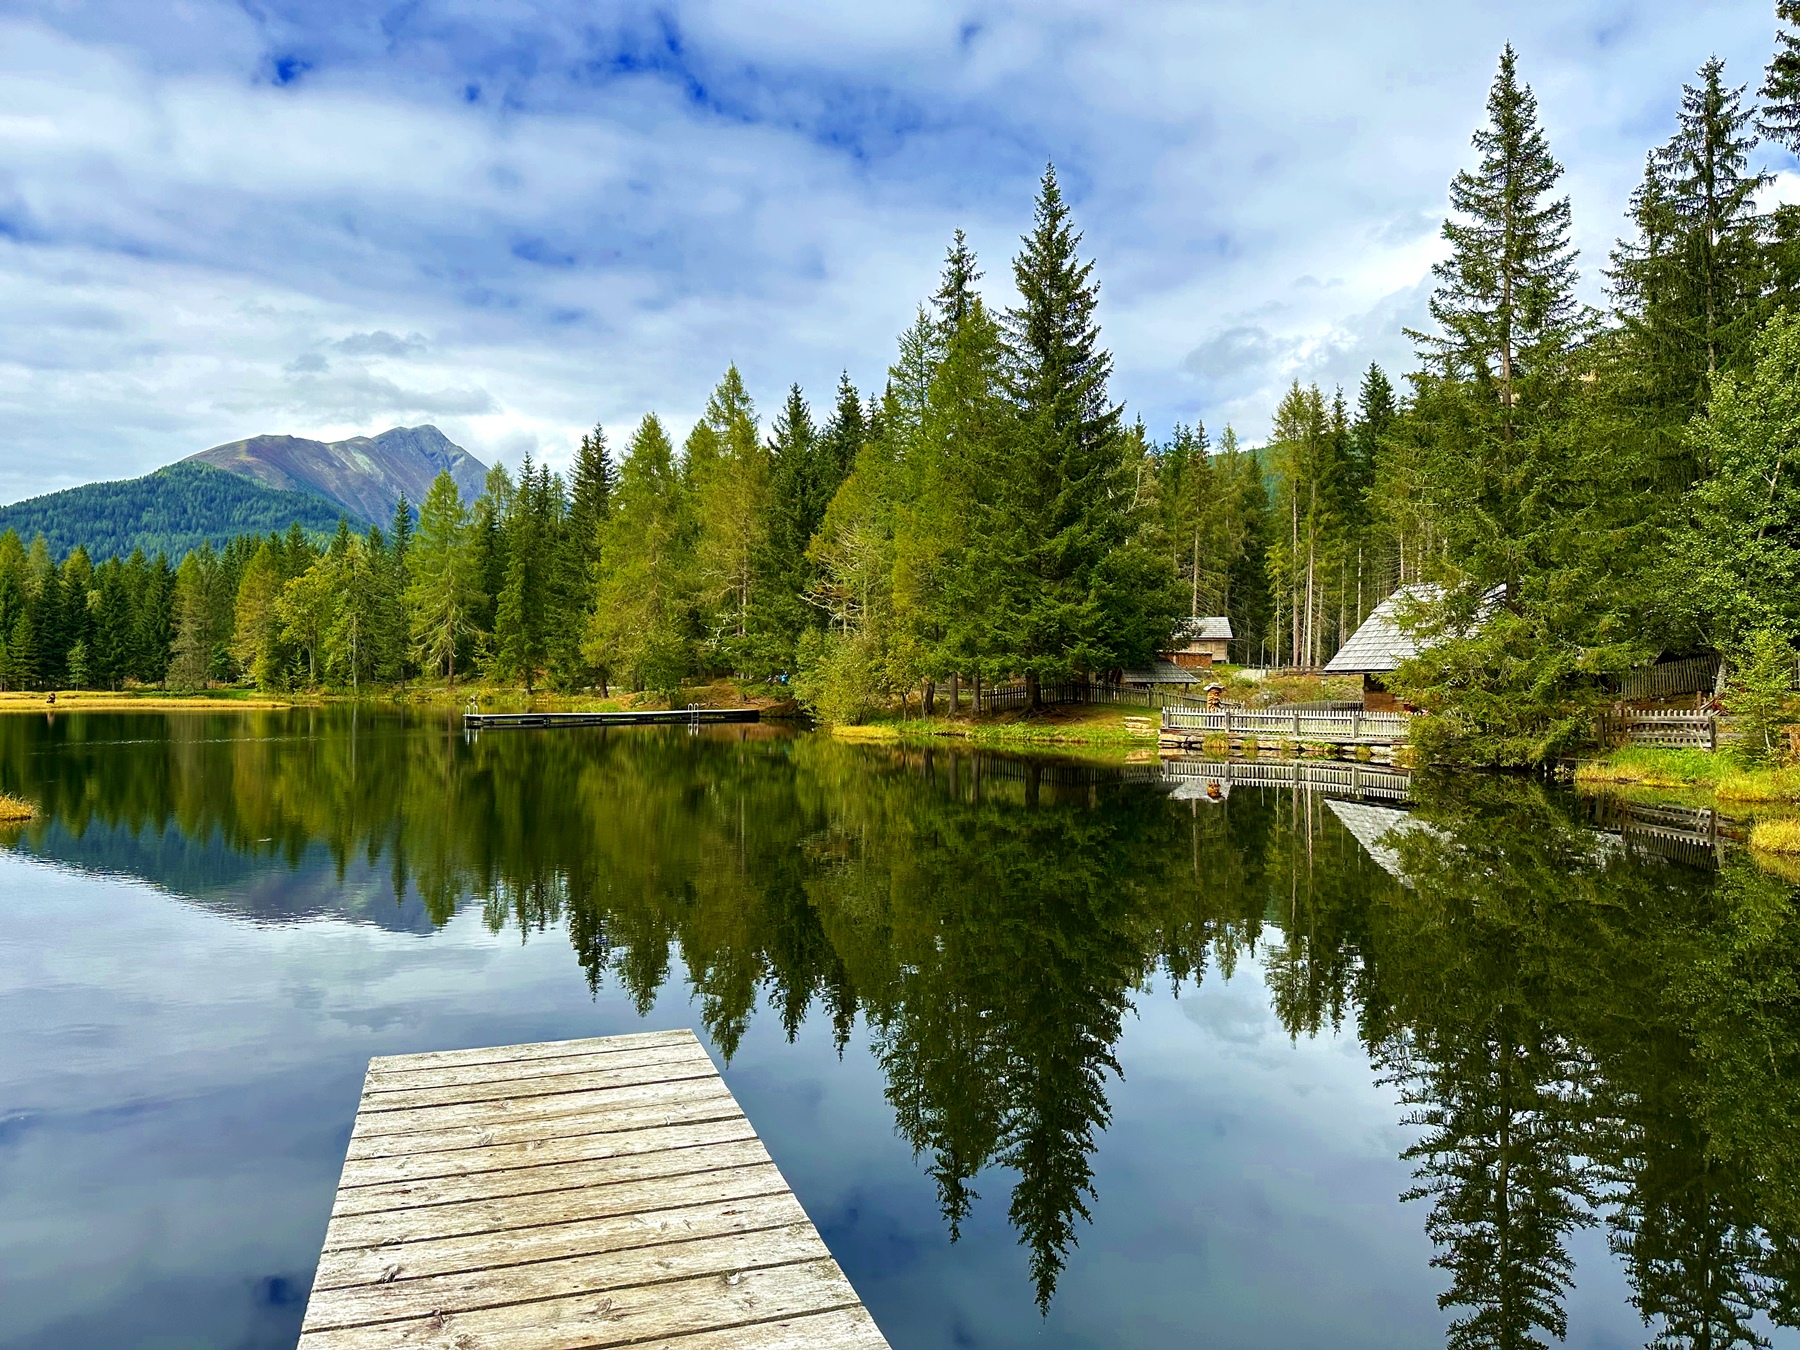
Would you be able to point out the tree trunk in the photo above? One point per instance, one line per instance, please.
(977, 708)
(1034, 692)
(928, 697)
(955, 695)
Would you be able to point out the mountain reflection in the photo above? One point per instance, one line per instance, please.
(1580, 1033)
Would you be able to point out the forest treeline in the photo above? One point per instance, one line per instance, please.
(1565, 493)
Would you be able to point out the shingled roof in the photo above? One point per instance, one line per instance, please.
(1211, 629)
(1380, 645)
(1159, 672)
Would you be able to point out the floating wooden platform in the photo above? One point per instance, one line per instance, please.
(571, 1194)
(692, 717)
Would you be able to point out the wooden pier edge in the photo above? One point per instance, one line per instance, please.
(564, 1195)
(690, 717)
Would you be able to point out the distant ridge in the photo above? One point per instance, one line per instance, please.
(248, 487)
(363, 476)
(170, 511)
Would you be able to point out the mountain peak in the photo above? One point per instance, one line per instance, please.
(363, 476)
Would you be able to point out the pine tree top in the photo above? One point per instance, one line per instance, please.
(1506, 295)
(956, 293)
(1779, 119)
(1057, 368)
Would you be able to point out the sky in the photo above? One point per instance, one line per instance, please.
(517, 219)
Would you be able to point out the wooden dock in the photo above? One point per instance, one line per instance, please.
(679, 717)
(570, 1194)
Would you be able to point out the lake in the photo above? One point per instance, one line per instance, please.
(1054, 1054)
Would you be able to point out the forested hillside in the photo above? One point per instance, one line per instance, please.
(1567, 493)
(170, 511)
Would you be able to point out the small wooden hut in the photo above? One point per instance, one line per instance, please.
(1197, 643)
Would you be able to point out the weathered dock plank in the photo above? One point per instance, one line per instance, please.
(570, 1194)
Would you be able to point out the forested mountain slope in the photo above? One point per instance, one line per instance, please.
(364, 476)
(169, 511)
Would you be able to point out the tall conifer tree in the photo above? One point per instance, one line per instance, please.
(1059, 521)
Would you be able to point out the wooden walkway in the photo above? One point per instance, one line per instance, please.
(603, 1192)
(690, 717)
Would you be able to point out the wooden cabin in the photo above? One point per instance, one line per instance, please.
(1197, 643)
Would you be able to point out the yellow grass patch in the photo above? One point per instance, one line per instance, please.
(1776, 836)
(13, 809)
(1764, 785)
(879, 732)
(84, 700)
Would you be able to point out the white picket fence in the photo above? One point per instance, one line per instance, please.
(1280, 724)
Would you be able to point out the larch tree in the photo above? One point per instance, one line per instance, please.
(256, 634)
(640, 630)
(442, 594)
(727, 469)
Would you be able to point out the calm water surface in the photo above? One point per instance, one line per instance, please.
(1053, 1056)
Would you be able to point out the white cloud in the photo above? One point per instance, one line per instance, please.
(518, 220)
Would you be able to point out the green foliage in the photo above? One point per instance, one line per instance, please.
(1741, 547)
(1760, 695)
(442, 596)
(642, 627)
(842, 679)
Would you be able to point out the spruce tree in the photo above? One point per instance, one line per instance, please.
(1690, 285)
(594, 481)
(956, 293)
(843, 435)
(1779, 119)
(800, 485)
(1058, 518)
(1505, 300)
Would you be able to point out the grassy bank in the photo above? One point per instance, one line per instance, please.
(1727, 781)
(498, 698)
(142, 700)
(1084, 724)
(1645, 766)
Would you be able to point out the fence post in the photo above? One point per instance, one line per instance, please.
(1356, 726)
(1712, 729)
(1296, 726)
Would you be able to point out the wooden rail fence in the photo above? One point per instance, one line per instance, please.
(1695, 675)
(1354, 780)
(1677, 730)
(1191, 725)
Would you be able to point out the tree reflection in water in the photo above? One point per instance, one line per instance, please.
(1580, 1034)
